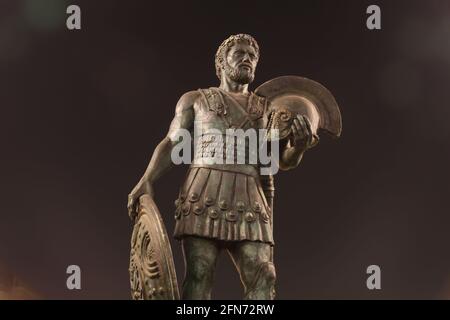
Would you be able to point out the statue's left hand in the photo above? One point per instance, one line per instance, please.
(302, 135)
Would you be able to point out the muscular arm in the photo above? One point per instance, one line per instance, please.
(161, 160)
(290, 155)
(184, 119)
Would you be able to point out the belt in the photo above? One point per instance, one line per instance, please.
(235, 168)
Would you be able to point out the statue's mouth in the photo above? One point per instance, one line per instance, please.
(246, 66)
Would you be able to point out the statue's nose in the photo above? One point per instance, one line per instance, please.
(246, 58)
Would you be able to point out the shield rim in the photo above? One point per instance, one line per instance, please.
(330, 120)
(148, 210)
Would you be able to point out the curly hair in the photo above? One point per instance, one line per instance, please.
(227, 44)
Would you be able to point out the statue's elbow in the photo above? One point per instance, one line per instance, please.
(286, 165)
(289, 163)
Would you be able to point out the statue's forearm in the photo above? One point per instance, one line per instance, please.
(160, 162)
(291, 157)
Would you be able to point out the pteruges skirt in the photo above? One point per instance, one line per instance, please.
(223, 205)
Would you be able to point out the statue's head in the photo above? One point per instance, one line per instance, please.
(237, 58)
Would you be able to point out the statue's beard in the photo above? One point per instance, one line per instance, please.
(239, 75)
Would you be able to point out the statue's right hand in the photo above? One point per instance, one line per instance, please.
(143, 187)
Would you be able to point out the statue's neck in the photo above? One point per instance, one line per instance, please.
(232, 86)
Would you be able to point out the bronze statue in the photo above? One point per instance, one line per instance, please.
(225, 205)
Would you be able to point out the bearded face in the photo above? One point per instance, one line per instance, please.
(240, 63)
(239, 74)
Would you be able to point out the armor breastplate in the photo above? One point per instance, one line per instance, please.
(217, 117)
(220, 111)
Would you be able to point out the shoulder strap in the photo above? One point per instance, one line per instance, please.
(203, 94)
(257, 106)
(214, 102)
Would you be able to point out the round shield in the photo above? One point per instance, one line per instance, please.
(152, 271)
(291, 95)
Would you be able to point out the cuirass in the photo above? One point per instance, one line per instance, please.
(218, 117)
(221, 111)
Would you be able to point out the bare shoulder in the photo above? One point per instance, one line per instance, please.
(187, 100)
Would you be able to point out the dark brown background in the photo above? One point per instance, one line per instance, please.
(83, 110)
